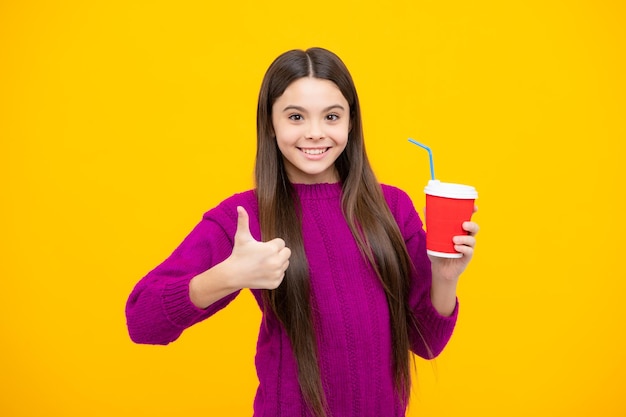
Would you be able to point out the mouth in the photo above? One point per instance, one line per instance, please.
(314, 151)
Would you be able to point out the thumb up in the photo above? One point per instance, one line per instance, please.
(243, 235)
(257, 265)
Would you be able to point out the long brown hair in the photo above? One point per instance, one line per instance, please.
(365, 210)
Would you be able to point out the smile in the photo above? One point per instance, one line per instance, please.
(314, 151)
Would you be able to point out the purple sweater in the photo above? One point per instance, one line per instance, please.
(348, 303)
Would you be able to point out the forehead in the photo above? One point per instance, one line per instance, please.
(311, 90)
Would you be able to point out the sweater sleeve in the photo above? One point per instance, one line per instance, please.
(433, 330)
(159, 307)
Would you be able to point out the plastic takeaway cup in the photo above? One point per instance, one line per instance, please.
(448, 205)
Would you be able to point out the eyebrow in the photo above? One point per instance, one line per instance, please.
(303, 110)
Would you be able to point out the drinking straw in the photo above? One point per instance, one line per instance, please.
(430, 155)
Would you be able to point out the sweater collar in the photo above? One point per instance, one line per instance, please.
(317, 191)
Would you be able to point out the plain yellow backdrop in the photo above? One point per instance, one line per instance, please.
(122, 122)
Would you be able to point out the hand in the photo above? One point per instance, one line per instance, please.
(450, 269)
(258, 265)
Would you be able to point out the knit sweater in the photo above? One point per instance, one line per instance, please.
(348, 302)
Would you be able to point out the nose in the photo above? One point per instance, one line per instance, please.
(314, 131)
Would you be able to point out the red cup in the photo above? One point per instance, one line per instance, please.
(448, 205)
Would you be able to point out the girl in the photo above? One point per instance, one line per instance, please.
(336, 261)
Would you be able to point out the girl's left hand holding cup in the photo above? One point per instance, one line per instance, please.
(450, 269)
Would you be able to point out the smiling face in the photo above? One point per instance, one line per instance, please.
(311, 121)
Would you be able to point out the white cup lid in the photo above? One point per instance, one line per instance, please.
(450, 190)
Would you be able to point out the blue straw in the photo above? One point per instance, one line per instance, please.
(430, 155)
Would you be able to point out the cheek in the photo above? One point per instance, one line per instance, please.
(340, 134)
(286, 138)
(286, 135)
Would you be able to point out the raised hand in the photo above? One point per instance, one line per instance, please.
(449, 269)
(259, 265)
(252, 264)
(446, 271)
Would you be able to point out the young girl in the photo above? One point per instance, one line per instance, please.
(336, 261)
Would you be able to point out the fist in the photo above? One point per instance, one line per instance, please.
(257, 265)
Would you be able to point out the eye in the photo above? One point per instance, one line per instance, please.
(332, 117)
(295, 117)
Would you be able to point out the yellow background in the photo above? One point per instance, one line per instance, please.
(121, 122)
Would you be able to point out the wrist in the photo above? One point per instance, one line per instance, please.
(212, 285)
(443, 296)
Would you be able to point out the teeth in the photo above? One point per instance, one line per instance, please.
(314, 151)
